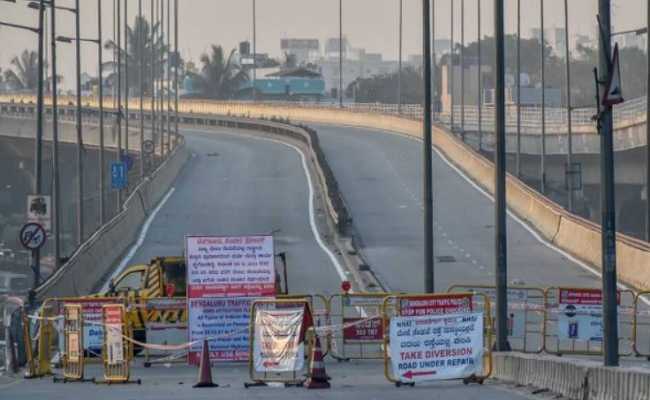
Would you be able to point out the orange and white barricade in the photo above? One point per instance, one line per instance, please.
(431, 337)
(117, 348)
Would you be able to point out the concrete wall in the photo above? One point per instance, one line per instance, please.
(572, 379)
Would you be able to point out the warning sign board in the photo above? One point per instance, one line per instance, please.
(32, 236)
(425, 348)
(74, 346)
(242, 266)
(438, 305)
(278, 346)
(613, 89)
(113, 320)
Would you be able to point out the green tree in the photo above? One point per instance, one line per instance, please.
(136, 55)
(220, 77)
(383, 88)
(23, 74)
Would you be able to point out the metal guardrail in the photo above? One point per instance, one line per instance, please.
(531, 117)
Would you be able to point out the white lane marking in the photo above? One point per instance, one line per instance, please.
(312, 213)
(534, 233)
(140, 241)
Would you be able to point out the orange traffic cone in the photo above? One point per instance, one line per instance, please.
(318, 378)
(205, 369)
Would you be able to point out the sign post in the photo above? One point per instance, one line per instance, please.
(39, 211)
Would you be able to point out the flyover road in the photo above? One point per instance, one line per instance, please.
(380, 175)
(240, 185)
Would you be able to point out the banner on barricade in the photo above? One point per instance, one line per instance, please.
(242, 266)
(363, 330)
(425, 348)
(227, 319)
(92, 313)
(279, 339)
(439, 305)
(581, 314)
(113, 319)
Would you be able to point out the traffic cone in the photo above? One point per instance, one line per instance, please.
(205, 369)
(318, 378)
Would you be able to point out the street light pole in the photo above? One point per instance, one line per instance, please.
(451, 68)
(56, 187)
(161, 71)
(168, 71)
(254, 50)
(462, 69)
(608, 223)
(399, 74)
(647, 128)
(501, 243)
(429, 278)
(518, 167)
(480, 82)
(80, 180)
(341, 53)
(152, 86)
(567, 55)
(119, 96)
(140, 74)
(542, 49)
(176, 69)
(102, 211)
(126, 81)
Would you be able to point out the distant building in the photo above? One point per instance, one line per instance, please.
(291, 84)
(304, 50)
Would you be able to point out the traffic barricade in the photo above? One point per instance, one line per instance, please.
(165, 321)
(279, 349)
(117, 349)
(642, 324)
(46, 334)
(29, 350)
(573, 321)
(525, 314)
(93, 331)
(320, 308)
(437, 337)
(362, 333)
(73, 349)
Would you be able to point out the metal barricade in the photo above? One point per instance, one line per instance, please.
(27, 338)
(73, 348)
(525, 314)
(293, 378)
(117, 350)
(573, 319)
(642, 325)
(46, 334)
(364, 339)
(320, 308)
(457, 306)
(165, 321)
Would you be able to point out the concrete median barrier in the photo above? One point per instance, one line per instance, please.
(95, 257)
(572, 379)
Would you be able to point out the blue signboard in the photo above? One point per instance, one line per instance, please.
(119, 176)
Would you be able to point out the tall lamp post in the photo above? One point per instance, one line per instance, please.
(399, 73)
(341, 53)
(38, 162)
(429, 278)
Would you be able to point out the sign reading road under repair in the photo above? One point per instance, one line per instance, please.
(425, 348)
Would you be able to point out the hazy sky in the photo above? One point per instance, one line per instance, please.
(372, 24)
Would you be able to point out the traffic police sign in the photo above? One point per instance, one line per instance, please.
(32, 236)
(119, 178)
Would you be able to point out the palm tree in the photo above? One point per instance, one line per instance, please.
(24, 73)
(136, 55)
(220, 77)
